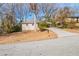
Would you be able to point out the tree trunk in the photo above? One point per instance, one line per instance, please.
(77, 20)
(35, 22)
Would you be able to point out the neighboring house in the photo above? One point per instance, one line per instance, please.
(29, 25)
(72, 18)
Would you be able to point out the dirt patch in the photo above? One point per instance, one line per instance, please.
(26, 36)
(72, 30)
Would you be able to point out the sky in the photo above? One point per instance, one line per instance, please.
(75, 6)
(72, 5)
(59, 5)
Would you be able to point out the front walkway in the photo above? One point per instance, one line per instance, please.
(62, 33)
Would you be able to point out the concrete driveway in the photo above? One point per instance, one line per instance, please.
(61, 32)
(52, 47)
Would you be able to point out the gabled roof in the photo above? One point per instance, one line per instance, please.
(73, 17)
(28, 22)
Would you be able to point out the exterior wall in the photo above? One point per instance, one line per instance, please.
(26, 27)
(68, 19)
(71, 19)
(31, 27)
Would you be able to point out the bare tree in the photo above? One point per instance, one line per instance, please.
(21, 10)
(8, 19)
(8, 23)
(43, 9)
(33, 7)
(1, 4)
(48, 9)
(62, 14)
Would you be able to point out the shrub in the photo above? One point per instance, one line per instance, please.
(53, 23)
(1, 31)
(42, 26)
(16, 28)
(59, 25)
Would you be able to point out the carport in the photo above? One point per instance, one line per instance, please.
(74, 17)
